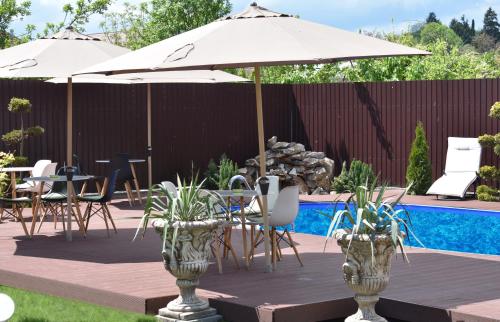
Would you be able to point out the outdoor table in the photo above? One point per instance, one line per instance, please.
(134, 175)
(71, 198)
(12, 171)
(241, 195)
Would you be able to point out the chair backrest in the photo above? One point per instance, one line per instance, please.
(121, 162)
(238, 178)
(60, 186)
(286, 208)
(274, 190)
(170, 187)
(48, 170)
(110, 189)
(39, 166)
(464, 155)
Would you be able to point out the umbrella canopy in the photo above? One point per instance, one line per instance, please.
(188, 76)
(253, 38)
(57, 56)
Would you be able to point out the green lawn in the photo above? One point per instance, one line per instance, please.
(37, 307)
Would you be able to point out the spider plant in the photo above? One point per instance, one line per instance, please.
(191, 204)
(364, 213)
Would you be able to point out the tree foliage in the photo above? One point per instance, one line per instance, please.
(433, 32)
(491, 25)
(488, 172)
(462, 28)
(77, 15)
(432, 18)
(17, 136)
(156, 20)
(10, 10)
(419, 171)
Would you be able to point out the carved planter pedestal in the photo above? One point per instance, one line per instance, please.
(187, 260)
(364, 275)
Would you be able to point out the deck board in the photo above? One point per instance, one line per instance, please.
(435, 286)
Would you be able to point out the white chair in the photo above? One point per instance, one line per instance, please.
(48, 170)
(463, 160)
(37, 172)
(170, 187)
(272, 196)
(283, 215)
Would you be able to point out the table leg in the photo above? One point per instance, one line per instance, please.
(136, 183)
(13, 188)
(69, 210)
(244, 232)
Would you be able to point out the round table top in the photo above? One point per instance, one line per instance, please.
(16, 169)
(236, 193)
(130, 161)
(58, 178)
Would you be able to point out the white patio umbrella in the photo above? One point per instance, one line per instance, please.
(58, 56)
(256, 37)
(189, 76)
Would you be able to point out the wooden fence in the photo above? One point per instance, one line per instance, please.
(192, 123)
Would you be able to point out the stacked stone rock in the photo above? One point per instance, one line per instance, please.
(311, 171)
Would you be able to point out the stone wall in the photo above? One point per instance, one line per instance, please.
(311, 171)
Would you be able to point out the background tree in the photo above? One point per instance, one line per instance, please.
(432, 18)
(488, 172)
(157, 20)
(10, 10)
(76, 15)
(462, 28)
(491, 25)
(432, 32)
(17, 136)
(483, 42)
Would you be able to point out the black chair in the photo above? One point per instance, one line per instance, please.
(53, 201)
(96, 203)
(121, 162)
(14, 207)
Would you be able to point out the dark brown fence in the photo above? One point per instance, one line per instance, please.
(373, 122)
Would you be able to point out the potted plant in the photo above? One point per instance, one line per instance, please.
(187, 224)
(369, 230)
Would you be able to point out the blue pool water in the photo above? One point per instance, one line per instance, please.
(462, 230)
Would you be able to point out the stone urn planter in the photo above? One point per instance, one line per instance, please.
(187, 258)
(366, 273)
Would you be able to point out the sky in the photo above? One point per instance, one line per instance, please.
(353, 15)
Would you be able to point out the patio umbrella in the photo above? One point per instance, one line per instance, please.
(58, 56)
(190, 76)
(253, 38)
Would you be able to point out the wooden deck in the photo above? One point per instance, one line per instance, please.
(435, 286)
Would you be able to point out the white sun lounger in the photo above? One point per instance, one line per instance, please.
(462, 166)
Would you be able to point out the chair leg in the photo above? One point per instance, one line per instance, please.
(42, 219)
(110, 217)
(20, 217)
(88, 210)
(292, 244)
(255, 244)
(62, 216)
(105, 216)
(1, 214)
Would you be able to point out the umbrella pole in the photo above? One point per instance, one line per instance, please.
(69, 155)
(262, 162)
(150, 161)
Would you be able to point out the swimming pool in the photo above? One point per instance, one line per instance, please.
(454, 229)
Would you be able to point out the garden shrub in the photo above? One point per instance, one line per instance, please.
(6, 159)
(419, 171)
(359, 174)
(218, 176)
(489, 172)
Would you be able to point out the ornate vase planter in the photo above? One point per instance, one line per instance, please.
(187, 259)
(366, 272)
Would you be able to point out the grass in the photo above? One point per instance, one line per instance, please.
(37, 307)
